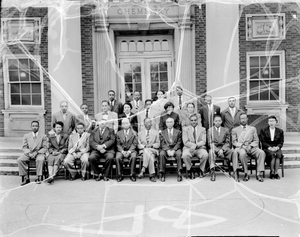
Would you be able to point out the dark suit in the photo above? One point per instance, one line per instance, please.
(217, 142)
(207, 117)
(265, 138)
(61, 147)
(126, 144)
(117, 107)
(229, 121)
(107, 138)
(69, 122)
(166, 145)
(132, 119)
(165, 116)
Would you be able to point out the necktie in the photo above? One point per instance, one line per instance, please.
(180, 102)
(80, 135)
(194, 133)
(218, 130)
(147, 113)
(244, 128)
(136, 105)
(126, 135)
(232, 112)
(170, 135)
(34, 136)
(148, 137)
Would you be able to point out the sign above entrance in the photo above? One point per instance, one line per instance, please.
(143, 11)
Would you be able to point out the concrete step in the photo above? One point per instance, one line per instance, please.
(292, 157)
(8, 163)
(291, 164)
(9, 171)
(10, 155)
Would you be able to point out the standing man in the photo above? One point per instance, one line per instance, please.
(219, 143)
(115, 106)
(148, 144)
(35, 145)
(171, 142)
(208, 112)
(86, 119)
(110, 117)
(231, 115)
(272, 139)
(78, 149)
(194, 141)
(180, 100)
(66, 117)
(102, 144)
(137, 104)
(245, 141)
(126, 148)
(148, 112)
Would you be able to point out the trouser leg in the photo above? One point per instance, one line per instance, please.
(109, 158)
(94, 162)
(260, 158)
(151, 164)
(242, 156)
(211, 158)
(178, 159)
(39, 160)
(69, 164)
(162, 161)
(119, 163)
(132, 163)
(21, 161)
(186, 156)
(84, 164)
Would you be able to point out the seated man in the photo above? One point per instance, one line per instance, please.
(126, 148)
(171, 142)
(272, 139)
(78, 149)
(35, 146)
(110, 117)
(148, 143)
(245, 141)
(219, 143)
(194, 140)
(102, 145)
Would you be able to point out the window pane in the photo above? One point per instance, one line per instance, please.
(24, 76)
(163, 66)
(263, 61)
(275, 61)
(163, 76)
(138, 87)
(24, 64)
(254, 73)
(264, 90)
(153, 67)
(14, 88)
(275, 73)
(165, 45)
(13, 64)
(132, 46)
(25, 88)
(13, 76)
(254, 61)
(35, 75)
(137, 77)
(140, 46)
(128, 87)
(15, 99)
(36, 88)
(124, 46)
(33, 65)
(154, 86)
(254, 90)
(128, 77)
(274, 92)
(164, 86)
(265, 73)
(157, 45)
(26, 100)
(136, 67)
(148, 46)
(154, 76)
(36, 99)
(127, 67)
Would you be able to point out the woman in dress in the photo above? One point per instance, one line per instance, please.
(127, 107)
(185, 119)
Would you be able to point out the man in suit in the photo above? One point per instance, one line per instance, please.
(78, 149)
(102, 145)
(86, 119)
(110, 117)
(126, 148)
(207, 112)
(137, 104)
(115, 106)
(231, 115)
(245, 141)
(148, 144)
(129, 115)
(35, 145)
(194, 141)
(219, 143)
(180, 100)
(66, 117)
(169, 113)
(272, 139)
(148, 112)
(171, 141)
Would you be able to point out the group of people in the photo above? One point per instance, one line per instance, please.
(156, 132)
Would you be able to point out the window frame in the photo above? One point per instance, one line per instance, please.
(7, 88)
(281, 54)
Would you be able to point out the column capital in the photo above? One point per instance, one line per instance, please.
(101, 22)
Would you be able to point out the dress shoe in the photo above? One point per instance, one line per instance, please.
(162, 177)
(152, 178)
(246, 177)
(132, 178)
(119, 179)
(38, 181)
(179, 178)
(83, 178)
(213, 176)
(141, 175)
(105, 178)
(98, 178)
(72, 178)
(235, 176)
(259, 178)
(50, 180)
(201, 175)
(272, 176)
(26, 181)
(276, 176)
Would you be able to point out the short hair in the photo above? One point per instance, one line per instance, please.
(59, 123)
(127, 103)
(160, 91)
(136, 91)
(148, 100)
(190, 103)
(125, 119)
(111, 91)
(35, 121)
(105, 101)
(218, 116)
(193, 115)
(208, 96)
(170, 118)
(147, 118)
(272, 117)
(64, 101)
(83, 105)
(168, 104)
(243, 113)
(231, 98)
(179, 87)
(80, 123)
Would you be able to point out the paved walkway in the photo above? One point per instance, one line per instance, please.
(198, 207)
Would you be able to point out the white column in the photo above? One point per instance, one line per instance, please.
(222, 52)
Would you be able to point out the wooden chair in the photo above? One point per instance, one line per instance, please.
(77, 166)
(31, 168)
(101, 165)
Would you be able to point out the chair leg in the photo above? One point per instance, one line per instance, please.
(28, 170)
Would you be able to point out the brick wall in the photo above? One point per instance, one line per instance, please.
(200, 49)
(291, 46)
(86, 24)
(38, 49)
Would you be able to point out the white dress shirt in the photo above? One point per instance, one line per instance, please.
(272, 133)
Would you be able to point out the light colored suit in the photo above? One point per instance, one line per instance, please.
(86, 121)
(152, 114)
(81, 146)
(190, 150)
(112, 120)
(69, 122)
(149, 153)
(217, 142)
(141, 106)
(37, 147)
(246, 143)
(185, 119)
(158, 105)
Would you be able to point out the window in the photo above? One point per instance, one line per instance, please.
(24, 82)
(265, 76)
